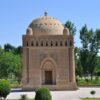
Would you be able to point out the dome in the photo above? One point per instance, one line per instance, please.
(65, 31)
(29, 31)
(46, 25)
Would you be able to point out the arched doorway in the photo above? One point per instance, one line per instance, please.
(48, 73)
(48, 77)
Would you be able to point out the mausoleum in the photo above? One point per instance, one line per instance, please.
(48, 55)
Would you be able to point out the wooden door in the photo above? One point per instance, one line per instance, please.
(48, 77)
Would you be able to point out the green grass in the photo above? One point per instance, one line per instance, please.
(91, 99)
(88, 82)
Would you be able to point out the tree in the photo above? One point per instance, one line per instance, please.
(71, 27)
(83, 50)
(90, 46)
(10, 64)
(4, 88)
(9, 47)
(18, 50)
(97, 70)
(79, 70)
(1, 51)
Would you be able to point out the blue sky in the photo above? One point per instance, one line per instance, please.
(16, 15)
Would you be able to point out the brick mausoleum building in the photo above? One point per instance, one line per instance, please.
(48, 55)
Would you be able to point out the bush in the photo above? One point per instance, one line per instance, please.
(24, 97)
(92, 92)
(43, 94)
(4, 88)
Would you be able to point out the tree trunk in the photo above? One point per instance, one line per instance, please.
(91, 77)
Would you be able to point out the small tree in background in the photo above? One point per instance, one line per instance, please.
(71, 27)
(90, 40)
(4, 88)
(43, 94)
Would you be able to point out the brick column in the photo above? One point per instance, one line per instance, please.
(71, 64)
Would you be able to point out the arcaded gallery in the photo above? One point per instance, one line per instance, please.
(48, 55)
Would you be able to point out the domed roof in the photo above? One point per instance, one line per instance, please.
(46, 25)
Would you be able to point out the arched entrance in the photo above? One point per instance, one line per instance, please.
(48, 73)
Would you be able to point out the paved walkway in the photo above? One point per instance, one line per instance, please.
(60, 95)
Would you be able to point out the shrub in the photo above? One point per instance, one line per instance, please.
(4, 88)
(43, 94)
(24, 97)
(92, 92)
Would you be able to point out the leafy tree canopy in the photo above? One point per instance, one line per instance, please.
(71, 27)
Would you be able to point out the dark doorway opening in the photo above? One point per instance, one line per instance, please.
(48, 77)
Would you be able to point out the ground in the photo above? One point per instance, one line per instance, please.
(91, 99)
(61, 95)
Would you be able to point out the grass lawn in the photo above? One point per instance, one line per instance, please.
(88, 82)
(91, 99)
